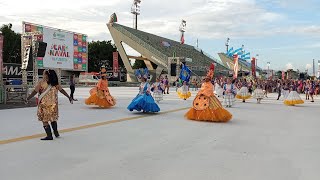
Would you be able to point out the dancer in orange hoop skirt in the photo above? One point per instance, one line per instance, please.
(206, 107)
(100, 95)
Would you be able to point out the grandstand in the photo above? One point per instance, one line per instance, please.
(243, 64)
(167, 54)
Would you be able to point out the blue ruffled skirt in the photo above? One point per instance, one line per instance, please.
(143, 102)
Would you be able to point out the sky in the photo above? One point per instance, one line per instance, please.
(285, 33)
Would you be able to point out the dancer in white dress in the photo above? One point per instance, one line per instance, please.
(229, 92)
(293, 97)
(157, 88)
(243, 93)
(258, 93)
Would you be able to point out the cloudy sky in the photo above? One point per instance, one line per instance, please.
(285, 33)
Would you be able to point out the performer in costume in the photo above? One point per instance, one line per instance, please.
(183, 91)
(143, 101)
(157, 88)
(293, 97)
(206, 107)
(218, 89)
(229, 92)
(285, 90)
(100, 95)
(258, 93)
(48, 102)
(243, 92)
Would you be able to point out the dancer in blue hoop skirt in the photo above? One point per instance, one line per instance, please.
(143, 101)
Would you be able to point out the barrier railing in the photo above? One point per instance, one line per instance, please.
(15, 93)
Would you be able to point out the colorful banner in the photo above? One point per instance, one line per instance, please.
(65, 50)
(236, 66)
(1, 53)
(253, 66)
(115, 64)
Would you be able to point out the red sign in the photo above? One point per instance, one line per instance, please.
(115, 64)
(1, 58)
(236, 66)
(253, 67)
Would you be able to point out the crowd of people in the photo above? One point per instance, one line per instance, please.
(206, 105)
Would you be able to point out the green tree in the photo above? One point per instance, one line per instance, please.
(139, 64)
(101, 53)
(11, 44)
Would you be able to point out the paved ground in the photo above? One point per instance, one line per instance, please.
(263, 141)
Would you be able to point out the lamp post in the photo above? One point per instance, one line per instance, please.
(268, 64)
(135, 10)
(227, 44)
(242, 52)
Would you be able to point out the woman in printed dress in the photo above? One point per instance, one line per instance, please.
(48, 102)
(143, 101)
(100, 95)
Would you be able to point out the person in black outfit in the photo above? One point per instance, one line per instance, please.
(72, 87)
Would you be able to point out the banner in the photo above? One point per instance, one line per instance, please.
(1, 57)
(283, 75)
(65, 50)
(236, 66)
(115, 64)
(253, 66)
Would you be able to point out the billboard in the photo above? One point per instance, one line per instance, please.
(115, 64)
(1, 58)
(65, 50)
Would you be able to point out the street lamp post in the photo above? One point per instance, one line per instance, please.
(227, 44)
(242, 52)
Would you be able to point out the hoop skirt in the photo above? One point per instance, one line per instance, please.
(143, 102)
(243, 93)
(293, 99)
(183, 94)
(208, 109)
(101, 98)
(258, 93)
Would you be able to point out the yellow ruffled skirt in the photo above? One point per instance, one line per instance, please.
(184, 95)
(293, 99)
(208, 109)
(100, 98)
(243, 94)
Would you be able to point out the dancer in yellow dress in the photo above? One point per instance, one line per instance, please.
(206, 107)
(185, 74)
(100, 95)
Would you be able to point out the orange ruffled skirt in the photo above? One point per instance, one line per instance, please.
(213, 113)
(100, 98)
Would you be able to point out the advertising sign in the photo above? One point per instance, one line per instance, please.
(236, 66)
(1, 51)
(253, 67)
(115, 64)
(65, 50)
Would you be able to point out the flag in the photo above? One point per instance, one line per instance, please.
(283, 75)
(253, 66)
(185, 73)
(236, 66)
(182, 38)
